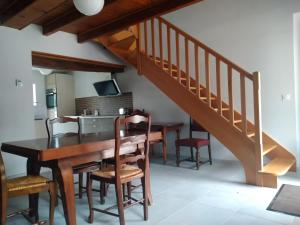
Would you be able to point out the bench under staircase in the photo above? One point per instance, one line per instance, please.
(220, 95)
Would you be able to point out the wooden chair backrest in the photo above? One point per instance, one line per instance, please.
(196, 127)
(139, 126)
(141, 138)
(61, 120)
(3, 188)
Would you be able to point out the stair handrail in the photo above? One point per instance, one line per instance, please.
(149, 49)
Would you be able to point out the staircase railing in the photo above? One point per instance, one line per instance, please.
(203, 71)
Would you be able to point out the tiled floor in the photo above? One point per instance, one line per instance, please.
(214, 195)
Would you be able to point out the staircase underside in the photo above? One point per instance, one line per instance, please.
(124, 45)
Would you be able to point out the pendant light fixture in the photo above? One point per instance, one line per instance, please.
(89, 7)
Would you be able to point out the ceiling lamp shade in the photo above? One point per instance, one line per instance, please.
(89, 7)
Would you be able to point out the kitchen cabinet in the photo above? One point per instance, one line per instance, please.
(94, 124)
(63, 84)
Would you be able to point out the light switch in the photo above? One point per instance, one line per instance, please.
(19, 83)
(286, 97)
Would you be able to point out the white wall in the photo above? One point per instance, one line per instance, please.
(17, 118)
(297, 70)
(84, 83)
(258, 35)
(162, 109)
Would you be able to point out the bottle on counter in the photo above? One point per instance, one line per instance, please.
(96, 112)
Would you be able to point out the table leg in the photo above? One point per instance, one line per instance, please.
(33, 168)
(164, 143)
(178, 134)
(147, 180)
(66, 183)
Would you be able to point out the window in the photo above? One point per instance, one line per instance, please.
(34, 94)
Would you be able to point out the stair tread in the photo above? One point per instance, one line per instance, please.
(268, 147)
(278, 166)
(120, 36)
(212, 98)
(223, 109)
(124, 43)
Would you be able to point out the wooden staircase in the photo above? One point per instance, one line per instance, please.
(193, 75)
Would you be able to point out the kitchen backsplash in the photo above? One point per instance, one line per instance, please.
(106, 105)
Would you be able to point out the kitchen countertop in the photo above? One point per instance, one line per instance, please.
(94, 117)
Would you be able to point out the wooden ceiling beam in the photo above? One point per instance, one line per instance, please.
(59, 62)
(12, 8)
(21, 13)
(70, 16)
(131, 19)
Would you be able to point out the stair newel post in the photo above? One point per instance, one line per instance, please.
(153, 38)
(169, 50)
(161, 50)
(187, 64)
(230, 94)
(207, 78)
(138, 46)
(178, 57)
(219, 90)
(146, 37)
(197, 70)
(258, 124)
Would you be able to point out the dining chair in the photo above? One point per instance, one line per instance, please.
(196, 143)
(142, 127)
(80, 169)
(108, 162)
(125, 169)
(22, 186)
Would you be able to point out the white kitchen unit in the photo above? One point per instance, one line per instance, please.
(64, 86)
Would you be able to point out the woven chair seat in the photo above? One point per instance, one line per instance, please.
(87, 167)
(194, 142)
(28, 182)
(126, 172)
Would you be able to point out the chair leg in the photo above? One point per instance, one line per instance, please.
(3, 208)
(102, 192)
(145, 196)
(54, 178)
(106, 189)
(192, 154)
(80, 184)
(129, 192)
(90, 197)
(197, 158)
(119, 196)
(34, 199)
(53, 201)
(177, 155)
(209, 154)
(124, 192)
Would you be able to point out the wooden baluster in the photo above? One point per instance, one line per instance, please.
(139, 50)
(153, 38)
(197, 70)
(207, 77)
(178, 58)
(219, 91)
(146, 37)
(187, 64)
(257, 123)
(243, 104)
(161, 44)
(169, 50)
(230, 96)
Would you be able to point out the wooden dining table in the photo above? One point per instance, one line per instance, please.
(63, 152)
